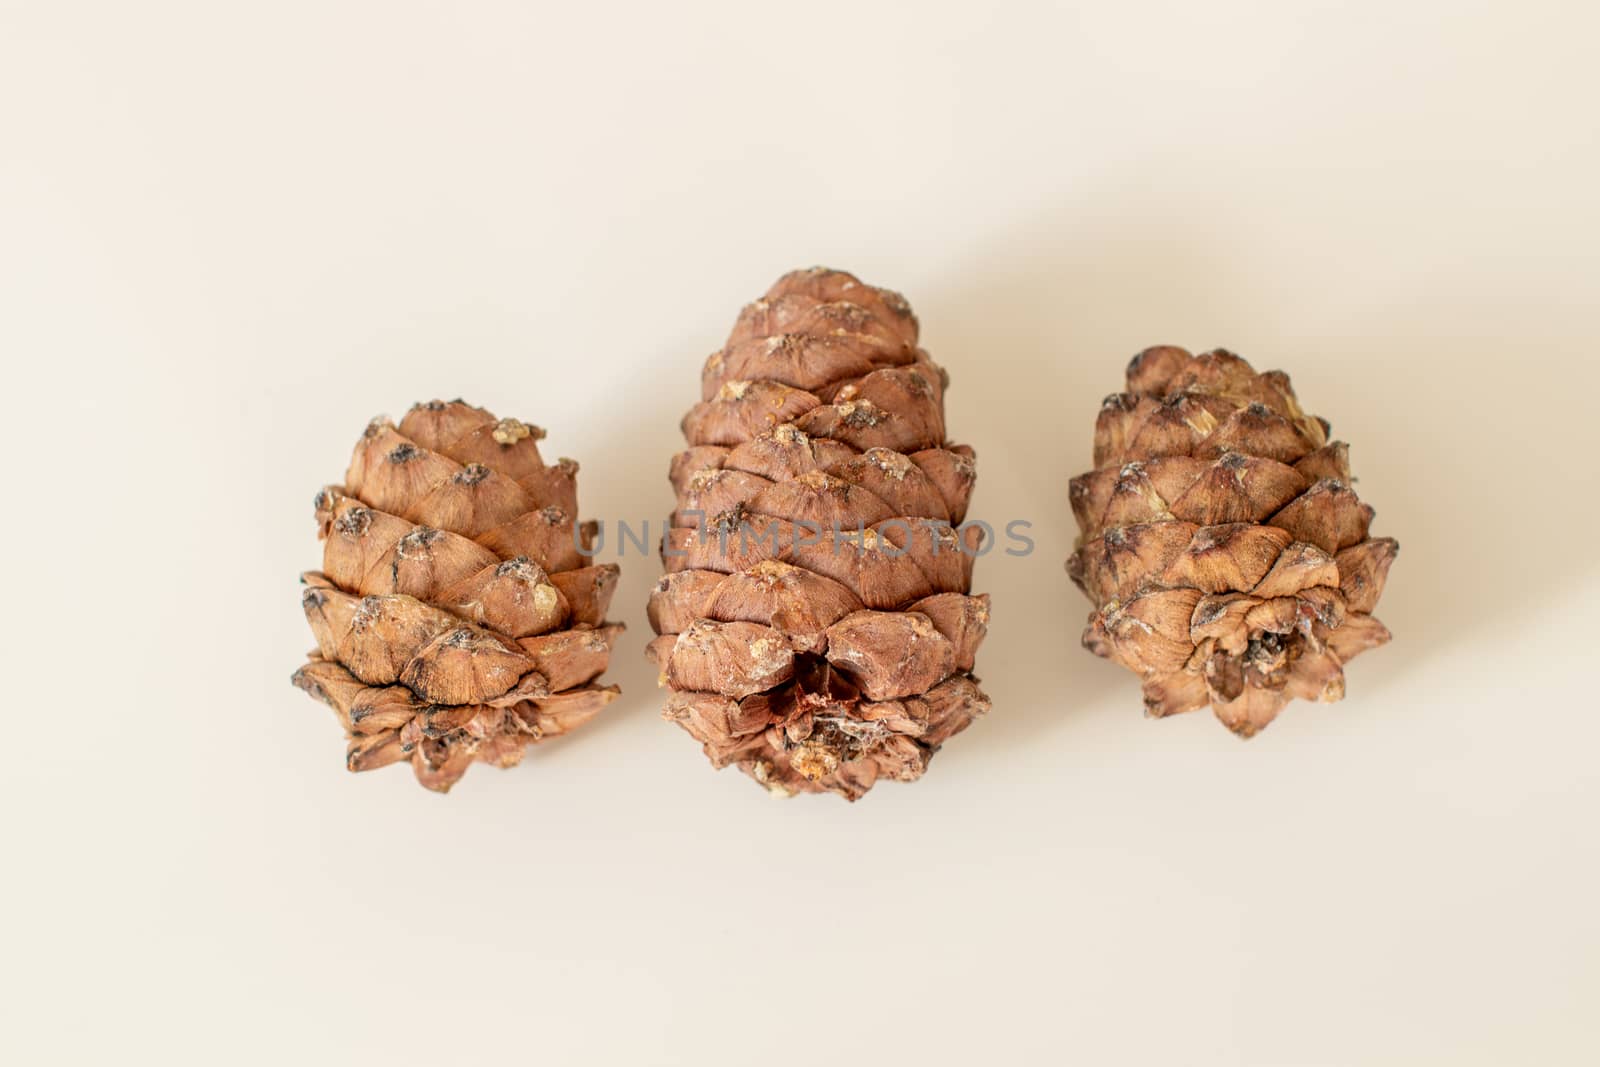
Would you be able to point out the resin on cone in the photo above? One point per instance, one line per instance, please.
(816, 625)
(1224, 549)
(456, 618)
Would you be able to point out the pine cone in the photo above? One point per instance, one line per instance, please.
(455, 617)
(815, 624)
(1225, 552)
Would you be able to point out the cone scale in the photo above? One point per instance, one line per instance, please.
(816, 624)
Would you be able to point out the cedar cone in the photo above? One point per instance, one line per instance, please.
(1225, 552)
(815, 624)
(456, 618)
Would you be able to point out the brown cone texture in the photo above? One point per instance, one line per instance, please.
(456, 620)
(1221, 542)
(818, 662)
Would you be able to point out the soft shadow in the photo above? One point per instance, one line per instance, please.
(625, 478)
(1037, 330)
(1477, 485)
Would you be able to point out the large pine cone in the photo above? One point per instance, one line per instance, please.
(456, 618)
(1225, 552)
(814, 660)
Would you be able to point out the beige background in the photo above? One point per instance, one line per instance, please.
(231, 233)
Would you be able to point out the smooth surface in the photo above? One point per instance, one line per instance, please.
(230, 234)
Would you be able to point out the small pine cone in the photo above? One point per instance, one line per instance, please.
(816, 628)
(1225, 552)
(456, 618)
